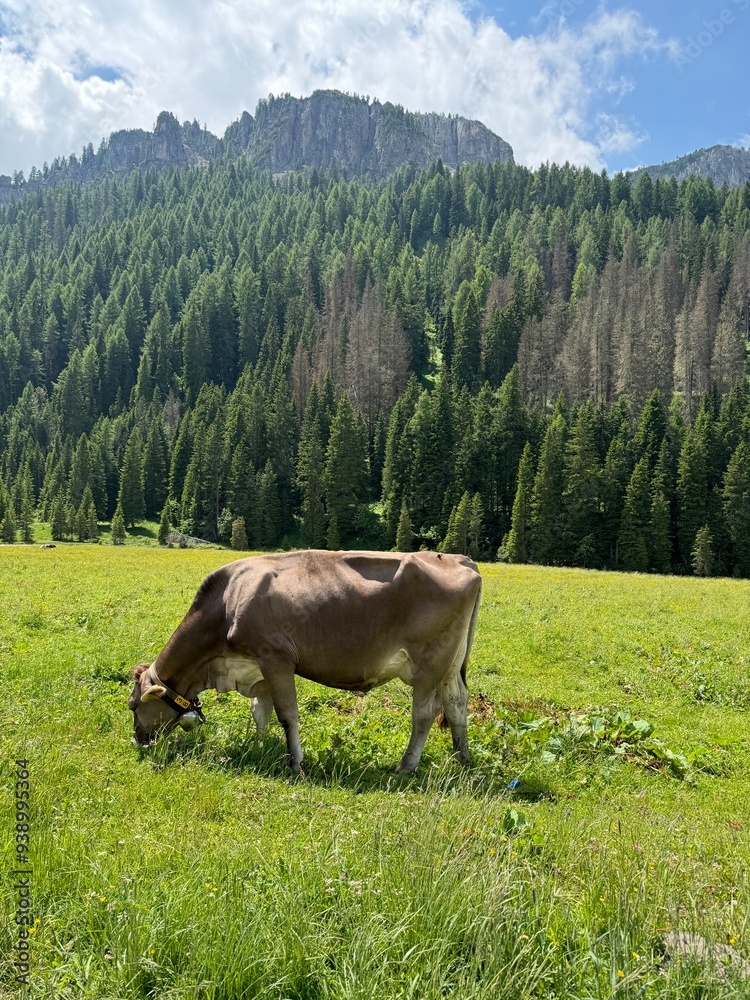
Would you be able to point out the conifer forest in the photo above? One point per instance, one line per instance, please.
(542, 366)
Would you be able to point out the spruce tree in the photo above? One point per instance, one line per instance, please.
(405, 531)
(702, 555)
(519, 536)
(333, 538)
(652, 427)
(164, 527)
(57, 518)
(692, 493)
(25, 506)
(546, 498)
(431, 435)
(467, 345)
(92, 525)
(345, 476)
(117, 527)
(239, 536)
(582, 493)
(476, 525)
(130, 498)
(8, 527)
(154, 470)
(269, 508)
(633, 538)
(736, 497)
(659, 540)
(615, 477)
(456, 538)
(310, 478)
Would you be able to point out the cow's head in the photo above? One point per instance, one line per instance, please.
(154, 709)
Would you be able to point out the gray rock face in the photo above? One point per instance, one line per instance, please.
(328, 129)
(723, 164)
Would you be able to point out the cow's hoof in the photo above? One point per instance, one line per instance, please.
(406, 767)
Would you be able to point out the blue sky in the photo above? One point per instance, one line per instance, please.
(595, 82)
(678, 105)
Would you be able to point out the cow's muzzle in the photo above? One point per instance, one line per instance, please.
(187, 721)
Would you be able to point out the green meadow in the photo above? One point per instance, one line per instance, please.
(608, 802)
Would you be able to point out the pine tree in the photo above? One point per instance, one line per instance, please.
(8, 527)
(117, 527)
(736, 497)
(702, 556)
(467, 349)
(456, 538)
(25, 506)
(154, 470)
(92, 525)
(519, 536)
(651, 430)
(659, 541)
(164, 527)
(346, 476)
(405, 532)
(82, 524)
(476, 524)
(546, 498)
(635, 520)
(333, 538)
(509, 434)
(239, 536)
(430, 436)
(57, 518)
(130, 498)
(269, 508)
(310, 477)
(615, 477)
(582, 493)
(692, 492)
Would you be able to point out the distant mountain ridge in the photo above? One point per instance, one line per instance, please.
(327, 129)
(728, 165)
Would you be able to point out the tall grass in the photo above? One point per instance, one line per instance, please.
(554, 868)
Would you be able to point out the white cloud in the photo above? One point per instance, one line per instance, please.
(616, 136)
(213, 60)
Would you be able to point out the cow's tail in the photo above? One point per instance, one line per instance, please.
(442, 721)
(470, 633)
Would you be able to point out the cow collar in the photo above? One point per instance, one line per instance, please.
(176, 702)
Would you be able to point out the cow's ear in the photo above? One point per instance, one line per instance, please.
(154, 692)
(139, 671)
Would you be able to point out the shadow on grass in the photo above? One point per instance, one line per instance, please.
(338, 766)
(141, 531)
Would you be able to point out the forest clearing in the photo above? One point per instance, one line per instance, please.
(606, 806)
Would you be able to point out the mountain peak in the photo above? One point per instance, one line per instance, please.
(327, 129)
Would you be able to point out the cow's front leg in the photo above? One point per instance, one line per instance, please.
(279, 676)
(261, 708)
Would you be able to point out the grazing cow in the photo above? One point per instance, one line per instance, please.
(349, 620)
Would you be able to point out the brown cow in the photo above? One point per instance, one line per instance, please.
(350, 620)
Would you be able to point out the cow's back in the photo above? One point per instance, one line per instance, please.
(344, 615)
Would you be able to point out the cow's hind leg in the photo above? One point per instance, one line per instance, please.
(424, 708)
(455, 700)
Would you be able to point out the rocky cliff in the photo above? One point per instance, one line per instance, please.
(723, 164)
(328, 129)
(359, 137)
